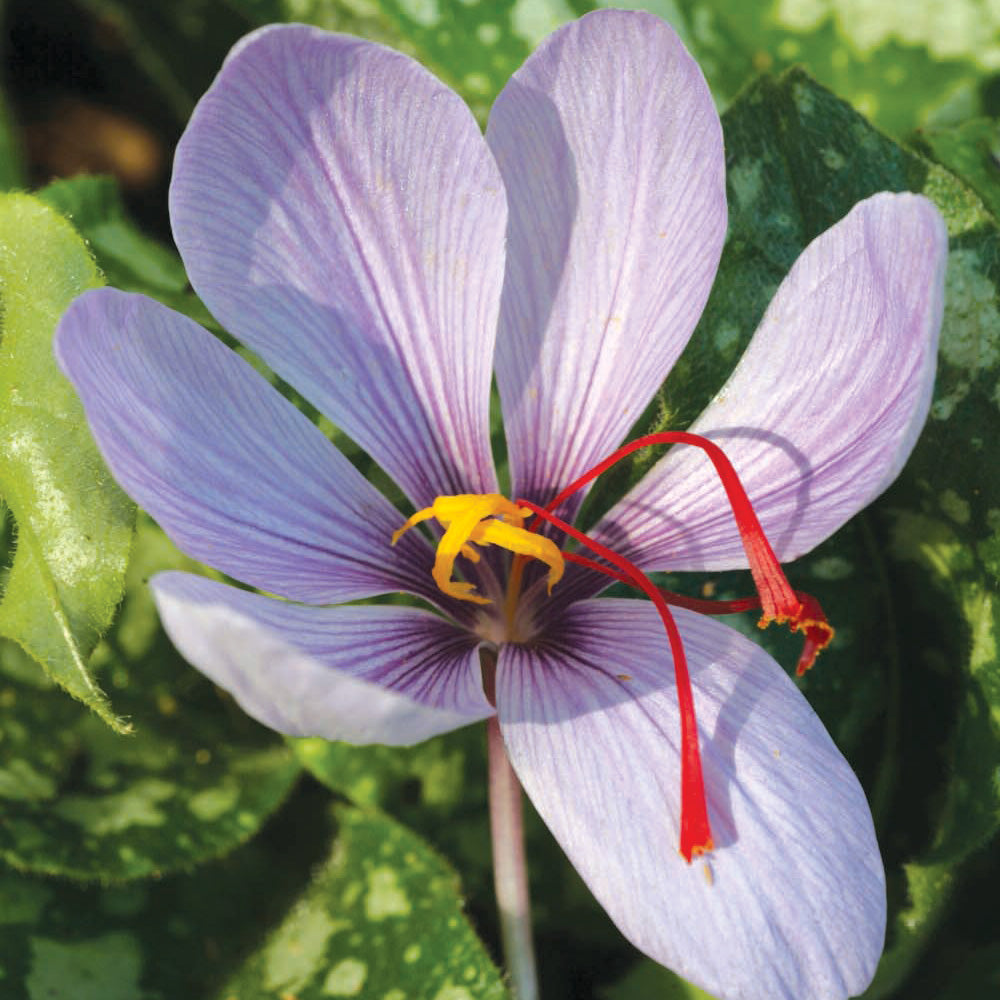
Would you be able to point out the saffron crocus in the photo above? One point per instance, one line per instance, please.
(340, 212)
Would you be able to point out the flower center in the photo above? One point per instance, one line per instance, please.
(472, 520)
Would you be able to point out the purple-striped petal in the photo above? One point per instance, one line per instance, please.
(337, 209)
(235, 475)
(791, 903)
(361, 673)
(824, 407)
(611, 151)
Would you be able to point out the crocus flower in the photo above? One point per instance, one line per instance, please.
(339, 211)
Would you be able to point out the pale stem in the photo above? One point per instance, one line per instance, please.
(510, 873)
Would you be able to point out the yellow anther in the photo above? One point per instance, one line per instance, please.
(421, 515)
(481, 519)
(523, 543)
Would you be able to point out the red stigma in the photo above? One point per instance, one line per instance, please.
(696, 832)
(775, 599)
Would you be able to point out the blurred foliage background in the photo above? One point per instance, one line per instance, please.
(203, 857)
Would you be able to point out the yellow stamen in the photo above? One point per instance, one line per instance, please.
(523, 543)
(481, 519)
(514, 590)
(421, 515)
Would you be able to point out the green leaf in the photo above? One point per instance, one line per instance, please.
(972, 152)
(197, 778)
(433, 777)
(901, 64)
(439, 788)
(179, 936)
(283, 899)
(129, 258)
(929, 890)
(382, 918)
(74, 525)
(945, 529)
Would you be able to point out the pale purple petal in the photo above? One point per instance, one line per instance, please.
(337, 209)
(361, 673)
(611, 151)
(823, 409)
(791, 903)
(235, 475)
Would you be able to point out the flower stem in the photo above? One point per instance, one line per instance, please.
(510, 874)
